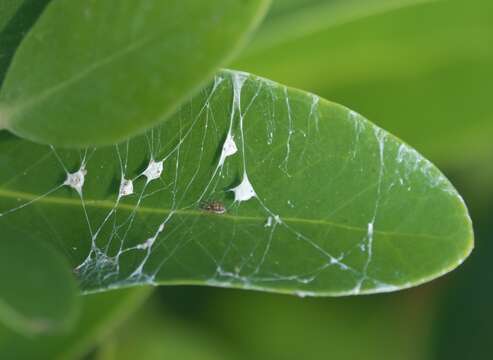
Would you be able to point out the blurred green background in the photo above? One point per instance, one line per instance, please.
(420, 69)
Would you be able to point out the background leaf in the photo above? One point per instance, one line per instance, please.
(423, 72)
(234, 325)
(38, 292)
(16, 18)
(162, 336)
(290, 19)
(100, 314)
(373, 328)
(95, 72)
(7, 10)
(318, 200)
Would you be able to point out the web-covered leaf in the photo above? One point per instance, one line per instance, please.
(250, 185)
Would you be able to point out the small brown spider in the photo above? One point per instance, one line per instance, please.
(215, 207)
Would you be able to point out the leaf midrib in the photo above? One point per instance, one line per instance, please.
(144, 209)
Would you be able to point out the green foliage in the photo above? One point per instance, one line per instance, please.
(223, 178)
(100, 314)
(16, 18)
(7, 11)
(162, 336)
(106, 70)
(463, 321)
(420, 67)
(37, 290)
(200, 323)
(295, 19)
(373, 328)
(318, 200)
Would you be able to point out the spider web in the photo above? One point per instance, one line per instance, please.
(135, 211)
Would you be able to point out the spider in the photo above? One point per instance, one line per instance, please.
(215, 207)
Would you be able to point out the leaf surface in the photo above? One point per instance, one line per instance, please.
(95, 72)
(16, 18)
(7, 10)
(38, 292)
(251, 185)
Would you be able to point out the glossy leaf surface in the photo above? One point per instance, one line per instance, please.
(95, 72)
(251, 185)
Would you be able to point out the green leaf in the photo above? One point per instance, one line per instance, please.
(317, 200)
(38, 292)
(419, 67)
(95, 72)
(291, 19)
(100, 314)
(16, 18)
(7, 10)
